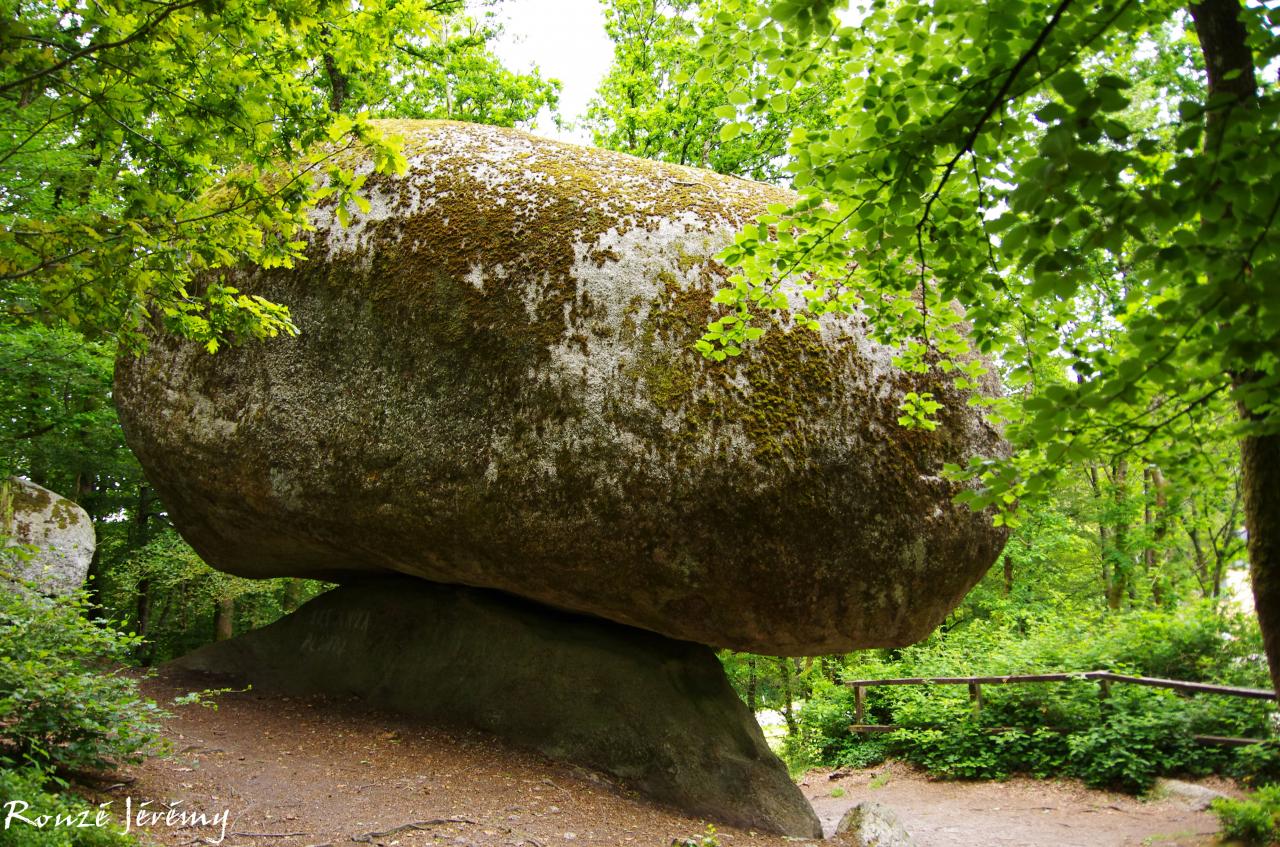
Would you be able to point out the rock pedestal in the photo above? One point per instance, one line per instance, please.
(657, 714)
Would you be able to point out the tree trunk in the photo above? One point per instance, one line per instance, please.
(1156, 520)
(1229, 65)
(1112, 532)
(1260, 466)
(224, 619)
(1122, 567)
(784, 669)
(142, 610)
(1104, 537)
(292, 595)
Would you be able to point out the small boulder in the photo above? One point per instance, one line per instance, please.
(1198, 797)
(61, 532)
(871, 824)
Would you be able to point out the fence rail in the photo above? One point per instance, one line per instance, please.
(1103, 678)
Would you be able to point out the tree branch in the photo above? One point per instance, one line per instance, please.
(992, 107)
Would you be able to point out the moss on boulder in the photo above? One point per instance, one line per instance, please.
(495, 386)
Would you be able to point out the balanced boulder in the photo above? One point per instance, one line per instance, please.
(58, 534)
(495, 385)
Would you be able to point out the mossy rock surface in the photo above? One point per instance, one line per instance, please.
(60, 532)
(657, 714)
(494, 386)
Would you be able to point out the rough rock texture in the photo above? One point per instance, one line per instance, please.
(494, 386)
(658, 714)
(1198, 797)
(63, 532)
(871, 824)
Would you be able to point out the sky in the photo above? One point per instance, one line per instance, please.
(567, 41)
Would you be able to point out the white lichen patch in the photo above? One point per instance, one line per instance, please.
(476, 277)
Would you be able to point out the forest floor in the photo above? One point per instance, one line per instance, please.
(294, 772)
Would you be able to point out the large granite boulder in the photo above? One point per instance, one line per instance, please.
(495, 386)
(60, 532)
(658, 714)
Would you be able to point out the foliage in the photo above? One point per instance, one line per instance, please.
(1259, 764)
(144, 144)
(452, 73)
(32, 786)
(207, 697)
(58, 427)
(1143, 733)
(1123, 742)
(1079, 195)
(1005, 161)
(57, 424)
(657, 101)
(1253, 820)
(166, 582)
(63, 701)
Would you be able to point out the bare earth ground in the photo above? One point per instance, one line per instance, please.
(1018, 813)
(300, 772)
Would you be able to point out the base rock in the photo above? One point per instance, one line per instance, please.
(657, 714)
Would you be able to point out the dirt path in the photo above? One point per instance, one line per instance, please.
(295, 773)
(1018, 813)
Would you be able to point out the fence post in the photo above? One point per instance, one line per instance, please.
(975, 694)
(859, 700)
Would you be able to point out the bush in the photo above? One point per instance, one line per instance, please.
(1253, 820)
(1058, 728)
(1259, 764)
(1144, 733)
(63, 702)
(30, 785)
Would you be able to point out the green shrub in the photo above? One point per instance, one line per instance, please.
(1259, 764)
(63, 702)
(1253, 820)
(961, 751)
(30, 785)
(1059, 728)
(1144, 733)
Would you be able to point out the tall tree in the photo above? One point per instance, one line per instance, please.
(1087, 185)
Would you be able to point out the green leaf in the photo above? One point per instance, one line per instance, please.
(1070, 85)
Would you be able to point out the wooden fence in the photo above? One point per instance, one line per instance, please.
(1103, 678)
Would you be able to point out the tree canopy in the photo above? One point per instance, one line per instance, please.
(650, 104)
(145, 143)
